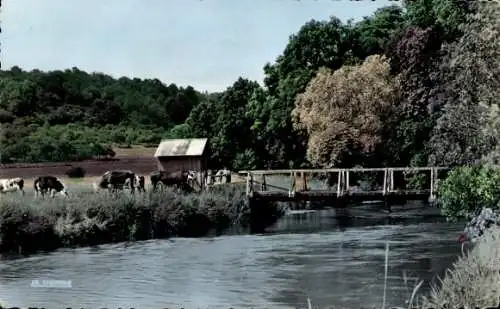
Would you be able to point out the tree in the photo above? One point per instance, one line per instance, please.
(465, 130)
(374, 33)
(344, 112)
(416, 57)
(445, 15)
(317, 44)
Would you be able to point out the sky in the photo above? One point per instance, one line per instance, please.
(207, 44)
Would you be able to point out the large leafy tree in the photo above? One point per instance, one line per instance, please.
(317, 44)
(345, 111)
(416, 57)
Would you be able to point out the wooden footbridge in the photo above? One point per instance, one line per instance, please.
(393, 184)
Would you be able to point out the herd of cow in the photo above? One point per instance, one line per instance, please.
(114, 180)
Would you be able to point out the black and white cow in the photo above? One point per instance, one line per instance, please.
(11, 185)
(140, 183)
(52, 184)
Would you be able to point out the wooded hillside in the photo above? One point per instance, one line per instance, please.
(398, 88)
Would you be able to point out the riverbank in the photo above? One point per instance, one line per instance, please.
(86, 219)
(473, 281)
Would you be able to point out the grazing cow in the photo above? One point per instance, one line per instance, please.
(117, 179)
(179, 179)
(140, 183)
(44, 184)
(11, 185)
(209, 181)
(223, 176)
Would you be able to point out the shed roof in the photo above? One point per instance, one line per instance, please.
(181, 147)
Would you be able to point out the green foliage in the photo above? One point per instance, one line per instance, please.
(468, 189)
(431, 46)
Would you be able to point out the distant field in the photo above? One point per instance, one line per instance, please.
(138, 159)
(134, 151)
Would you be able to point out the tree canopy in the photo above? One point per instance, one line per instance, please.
(410, 85)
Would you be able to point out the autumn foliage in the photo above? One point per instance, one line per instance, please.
(344, 111)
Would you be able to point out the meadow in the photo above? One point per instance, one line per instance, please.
(86, 218)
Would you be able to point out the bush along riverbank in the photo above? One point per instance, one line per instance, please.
(466, 190)
(86, 219)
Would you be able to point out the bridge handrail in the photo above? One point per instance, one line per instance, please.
(336, 170)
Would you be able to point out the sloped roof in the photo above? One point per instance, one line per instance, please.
(181, 147)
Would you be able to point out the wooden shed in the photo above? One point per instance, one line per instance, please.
(186, 154)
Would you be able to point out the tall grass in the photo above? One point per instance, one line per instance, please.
(28, 224)
(473, 281)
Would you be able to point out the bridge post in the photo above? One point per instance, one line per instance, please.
(304, 181)
(432, 195)
(263, 186)
(347, 181)
(384, 190)
(249, 185)
(291, 192)
(339, 184)
(391, 175)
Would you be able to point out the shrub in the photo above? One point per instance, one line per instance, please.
(75, 172)
(466, 190)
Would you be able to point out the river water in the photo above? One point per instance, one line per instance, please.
(332, 259)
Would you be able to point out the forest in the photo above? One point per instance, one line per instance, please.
(410, 85)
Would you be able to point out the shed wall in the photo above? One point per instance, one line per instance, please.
(180, 163)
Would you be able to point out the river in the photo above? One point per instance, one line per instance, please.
(335, 261)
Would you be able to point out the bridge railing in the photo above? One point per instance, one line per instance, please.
(343, 178)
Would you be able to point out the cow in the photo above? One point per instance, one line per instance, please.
(11, 185)
(209, 180)
(140, 183)
(117, 179)
(179, 179)
(223, 176)
(52, 184)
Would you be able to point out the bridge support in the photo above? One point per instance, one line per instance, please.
(434, 184)
(249, 185)
(342, 183)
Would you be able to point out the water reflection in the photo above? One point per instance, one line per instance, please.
(335, 258)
